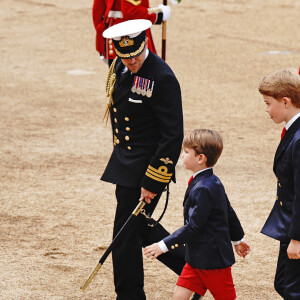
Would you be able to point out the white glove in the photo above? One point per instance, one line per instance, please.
(102, 57)
(166, 10)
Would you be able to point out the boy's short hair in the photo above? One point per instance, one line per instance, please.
(207, 142)
(282, 83)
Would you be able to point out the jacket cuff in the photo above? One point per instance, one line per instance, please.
(159, 18)
(153, 186)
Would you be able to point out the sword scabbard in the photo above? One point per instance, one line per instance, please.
(85, 285)
(134, 214)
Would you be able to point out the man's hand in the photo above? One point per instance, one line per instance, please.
(242, 249)
(146, 195)
(293, 250)
(153, 251)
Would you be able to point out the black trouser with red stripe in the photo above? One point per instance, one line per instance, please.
(127, 255)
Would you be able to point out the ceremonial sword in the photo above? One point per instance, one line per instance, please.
(133, 215)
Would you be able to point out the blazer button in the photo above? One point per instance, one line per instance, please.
(279, 185)
(115, 110)
(172, 247)
(176, 245)
(117, 141)
(280, 203)
(127, 138)
(127, 129)
(126, 119)
(129, 148)
(117, 130)
(116, 121)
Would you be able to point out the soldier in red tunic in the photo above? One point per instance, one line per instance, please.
(110, 12)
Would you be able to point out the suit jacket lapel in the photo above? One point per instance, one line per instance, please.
(286, 140)
(197, 178)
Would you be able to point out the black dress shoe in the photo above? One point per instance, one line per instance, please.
(196, 297)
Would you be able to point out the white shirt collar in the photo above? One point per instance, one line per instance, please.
(291, 121)
(201, 171)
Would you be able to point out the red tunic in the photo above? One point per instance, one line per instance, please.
(125, 10)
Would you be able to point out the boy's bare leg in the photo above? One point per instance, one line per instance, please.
(181, 293)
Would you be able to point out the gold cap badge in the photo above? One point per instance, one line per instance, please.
(126, 42)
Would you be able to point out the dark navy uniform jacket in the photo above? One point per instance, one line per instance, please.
(147, 131)
(283, 222)
(210, 224)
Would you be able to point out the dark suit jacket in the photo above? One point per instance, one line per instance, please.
(283, 222)
(210, 224)
(147, 129)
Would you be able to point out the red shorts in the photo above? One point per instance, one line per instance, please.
(218, 282)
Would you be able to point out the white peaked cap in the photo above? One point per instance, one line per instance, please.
(131, 28)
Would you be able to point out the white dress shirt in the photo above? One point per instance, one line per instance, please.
(291, 121)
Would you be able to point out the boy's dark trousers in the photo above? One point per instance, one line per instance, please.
(127, 255)
(287, 278)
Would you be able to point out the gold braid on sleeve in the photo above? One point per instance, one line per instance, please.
(109, 88)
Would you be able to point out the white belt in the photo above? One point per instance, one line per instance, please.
(115, 14)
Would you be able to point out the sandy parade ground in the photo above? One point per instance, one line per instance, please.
(55, 214)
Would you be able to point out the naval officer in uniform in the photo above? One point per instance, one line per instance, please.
(147, 126)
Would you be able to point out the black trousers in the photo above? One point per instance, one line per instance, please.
(287, 278)
(127, 255)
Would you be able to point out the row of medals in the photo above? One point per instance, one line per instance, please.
(141, 86)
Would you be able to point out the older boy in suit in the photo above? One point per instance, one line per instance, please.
(281, 93)
(210, 224)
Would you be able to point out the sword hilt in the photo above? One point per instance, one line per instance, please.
(139, 208)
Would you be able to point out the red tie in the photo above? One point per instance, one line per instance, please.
(190, 180)
(283, 132)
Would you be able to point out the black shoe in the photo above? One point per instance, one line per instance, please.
(196, 297)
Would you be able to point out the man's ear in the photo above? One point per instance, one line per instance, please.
(287, 101)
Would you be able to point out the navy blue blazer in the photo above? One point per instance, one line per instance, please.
(210, 224)
(283, 222)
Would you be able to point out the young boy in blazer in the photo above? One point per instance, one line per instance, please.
(210, 224)
(281, 93)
